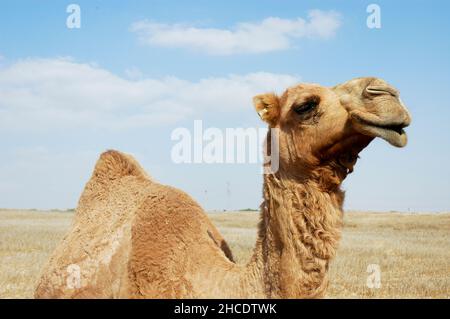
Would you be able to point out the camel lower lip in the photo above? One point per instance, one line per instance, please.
(395, 130)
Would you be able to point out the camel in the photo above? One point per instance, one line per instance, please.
(135, 238)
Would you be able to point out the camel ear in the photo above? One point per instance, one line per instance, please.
(268, 107)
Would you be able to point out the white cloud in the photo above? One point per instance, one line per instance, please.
(49, 93)
(271, 34)
(134, 73)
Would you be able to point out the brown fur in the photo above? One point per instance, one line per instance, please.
(134, 238)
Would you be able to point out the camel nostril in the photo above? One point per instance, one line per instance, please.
(380, 90)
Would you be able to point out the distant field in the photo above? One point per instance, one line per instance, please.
(412, 251)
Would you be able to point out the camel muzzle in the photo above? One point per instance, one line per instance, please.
(375, 109)
(391, 131)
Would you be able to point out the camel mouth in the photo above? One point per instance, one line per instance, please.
(391, 130)
(392, 133)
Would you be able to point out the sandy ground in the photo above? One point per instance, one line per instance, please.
(412, 251)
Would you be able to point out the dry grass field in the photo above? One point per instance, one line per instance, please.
(412, 251)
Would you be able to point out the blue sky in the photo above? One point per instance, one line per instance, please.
(66, 95)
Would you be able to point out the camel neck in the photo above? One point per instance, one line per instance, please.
(298, 235)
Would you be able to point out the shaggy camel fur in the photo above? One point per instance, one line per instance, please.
(134, 238)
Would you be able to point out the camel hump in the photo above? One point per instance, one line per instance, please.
(114, 165)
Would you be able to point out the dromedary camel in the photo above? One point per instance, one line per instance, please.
(134, 238)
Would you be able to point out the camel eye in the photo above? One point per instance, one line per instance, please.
(307, 106)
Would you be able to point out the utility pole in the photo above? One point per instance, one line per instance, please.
(228, 196)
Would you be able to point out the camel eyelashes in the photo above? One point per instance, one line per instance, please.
(305, 107)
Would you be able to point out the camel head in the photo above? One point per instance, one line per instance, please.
(328, 127)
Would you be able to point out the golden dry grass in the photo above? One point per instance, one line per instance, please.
(412, 251)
